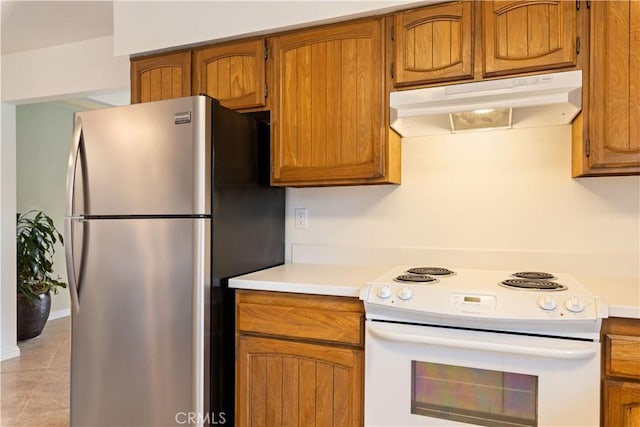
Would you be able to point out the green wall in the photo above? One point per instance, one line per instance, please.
(43, 136)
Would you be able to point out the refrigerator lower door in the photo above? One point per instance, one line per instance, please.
(139, 353)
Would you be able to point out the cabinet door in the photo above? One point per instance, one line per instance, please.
(521, 36)
(614, 89)
(622, 404)
(434, 44)
(328, 109)
(232, 73)
(291, 383)
(160, 77)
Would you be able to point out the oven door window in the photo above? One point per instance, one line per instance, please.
(474, 396)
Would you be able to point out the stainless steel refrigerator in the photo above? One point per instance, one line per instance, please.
(165, 201)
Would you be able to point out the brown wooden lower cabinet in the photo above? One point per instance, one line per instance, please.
(284, 382)
(288, 372)
(622, 404)
(621, 372)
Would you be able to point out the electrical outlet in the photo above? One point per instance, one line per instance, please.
(301, 219)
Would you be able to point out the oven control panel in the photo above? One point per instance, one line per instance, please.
(482, 299)
(506, 304)
(473, 302)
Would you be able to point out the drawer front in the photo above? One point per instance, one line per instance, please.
(306, 317)
(623, 356)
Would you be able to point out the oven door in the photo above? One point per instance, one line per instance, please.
(432, 376)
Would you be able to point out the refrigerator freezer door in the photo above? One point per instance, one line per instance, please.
(139, 353)
(145, 159)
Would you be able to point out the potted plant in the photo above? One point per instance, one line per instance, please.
(36, 240)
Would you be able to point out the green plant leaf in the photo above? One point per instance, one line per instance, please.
(36, 239)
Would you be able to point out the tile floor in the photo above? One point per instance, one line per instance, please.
(34, 388)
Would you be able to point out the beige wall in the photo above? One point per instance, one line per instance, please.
(504, 191)
(179, 23)
(64, 71)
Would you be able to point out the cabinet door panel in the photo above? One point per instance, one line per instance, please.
(160, 77)
(284, 382)
(232, 73)
(622, 404)
(623, 356)
(434, 44)
(614, 128)
(522, 36)
(634, 83)
(332, 319)
(329, 107)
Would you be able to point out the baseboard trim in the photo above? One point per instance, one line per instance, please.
(65, 312)
(11, 353)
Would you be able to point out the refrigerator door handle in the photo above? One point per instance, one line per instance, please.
(71, 271)
(68, 225)
(71, 166)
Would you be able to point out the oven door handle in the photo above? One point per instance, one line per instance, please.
(575, 352)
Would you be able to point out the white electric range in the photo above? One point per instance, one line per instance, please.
(476, 347)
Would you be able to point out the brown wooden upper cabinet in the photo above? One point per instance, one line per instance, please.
(472, 40)
(608, 142)
(433, 44)
(161, 76)
(523, 36)
(233, 73)
(329, 109)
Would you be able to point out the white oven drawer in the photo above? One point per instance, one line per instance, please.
(430, 376)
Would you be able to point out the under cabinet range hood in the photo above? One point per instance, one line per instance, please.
(531, 101)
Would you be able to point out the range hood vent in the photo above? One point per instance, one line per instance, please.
(531, 101)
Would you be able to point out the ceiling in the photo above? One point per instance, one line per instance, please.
(30, 25)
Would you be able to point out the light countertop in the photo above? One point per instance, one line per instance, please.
(319, 279)
(622, 295)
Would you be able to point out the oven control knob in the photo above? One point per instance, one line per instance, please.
(574, 305)
(384, 292)
(547, 303)
(405, 293)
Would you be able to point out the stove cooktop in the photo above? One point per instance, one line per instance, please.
(542, 303)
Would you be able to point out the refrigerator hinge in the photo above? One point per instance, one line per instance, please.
(577, 45)
(587, 148)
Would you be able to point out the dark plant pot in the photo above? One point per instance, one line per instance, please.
(31, 319)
